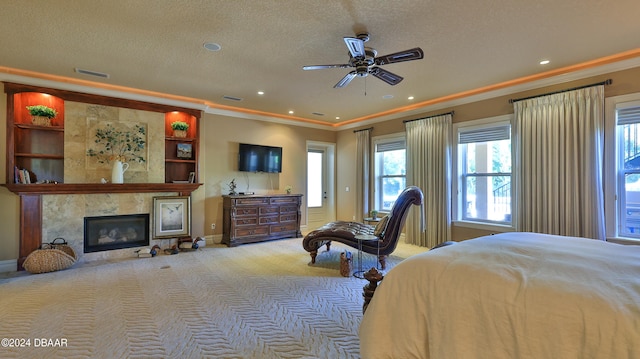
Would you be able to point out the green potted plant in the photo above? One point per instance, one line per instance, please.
(41, 115)
(180, 128)
(373, 213)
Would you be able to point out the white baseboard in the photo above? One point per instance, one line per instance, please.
(10, 265)
(213, 239)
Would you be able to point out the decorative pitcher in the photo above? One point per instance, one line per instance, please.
(117, 173)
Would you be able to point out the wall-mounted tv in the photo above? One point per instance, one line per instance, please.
(257, 158)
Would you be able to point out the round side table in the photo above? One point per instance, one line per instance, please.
(371, 220)
(365, 238)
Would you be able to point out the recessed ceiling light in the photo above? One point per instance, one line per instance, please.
(337, 117)
(260, 92)
(212, 46)
(544, 62)
(386, 97)
(291, 112)
(410, 98)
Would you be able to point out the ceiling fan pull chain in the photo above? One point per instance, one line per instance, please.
(365, 86)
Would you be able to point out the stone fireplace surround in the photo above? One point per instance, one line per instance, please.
(63, 216)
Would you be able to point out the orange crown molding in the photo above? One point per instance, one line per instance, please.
(518, 81)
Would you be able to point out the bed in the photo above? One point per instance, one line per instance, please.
(510, 295)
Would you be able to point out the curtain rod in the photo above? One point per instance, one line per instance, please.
(424, 118)
(364, 129)
(607, 82)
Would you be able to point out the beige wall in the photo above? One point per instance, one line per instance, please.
(624, 82)
(220, 136)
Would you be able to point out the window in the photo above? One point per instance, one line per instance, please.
(628, 169)
(390, 170)
(484, 172)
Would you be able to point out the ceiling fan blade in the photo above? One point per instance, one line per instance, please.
(386, 76)
(355, 45)
(406, 55)
(319, 67)
(345, 80)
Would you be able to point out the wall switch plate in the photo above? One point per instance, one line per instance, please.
(213, 226)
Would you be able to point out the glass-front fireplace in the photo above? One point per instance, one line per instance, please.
(106, 233)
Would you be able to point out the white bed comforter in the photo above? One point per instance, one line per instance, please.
(512, 295)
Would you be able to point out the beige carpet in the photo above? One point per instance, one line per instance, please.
(253, 301)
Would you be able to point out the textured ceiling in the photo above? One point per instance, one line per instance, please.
(157, 45)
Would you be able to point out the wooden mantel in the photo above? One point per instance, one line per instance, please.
(89, 188)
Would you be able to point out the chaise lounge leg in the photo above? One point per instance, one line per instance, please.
(328, 246)
(313, 256)
(383, 262)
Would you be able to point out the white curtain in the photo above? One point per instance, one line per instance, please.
(363, 165)
(429, 168)
(559, 151)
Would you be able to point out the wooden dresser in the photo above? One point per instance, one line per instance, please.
(249, 219)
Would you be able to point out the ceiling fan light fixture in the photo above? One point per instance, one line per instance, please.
(364, 58)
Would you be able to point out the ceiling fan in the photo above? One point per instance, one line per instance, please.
(364, 58)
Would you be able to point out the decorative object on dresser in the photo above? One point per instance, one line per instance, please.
(171, 216)
(232, 187)
(256, 218)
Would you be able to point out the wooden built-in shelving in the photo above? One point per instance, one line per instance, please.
(39, 150)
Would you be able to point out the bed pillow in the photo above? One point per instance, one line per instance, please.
(381, 226)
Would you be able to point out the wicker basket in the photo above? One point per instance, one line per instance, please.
(54, 256)
(41, 121)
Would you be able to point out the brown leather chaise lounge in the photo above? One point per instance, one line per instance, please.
(345, 231)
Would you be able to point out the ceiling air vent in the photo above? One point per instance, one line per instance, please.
(92, 73)
(231, 98)
(317, 113)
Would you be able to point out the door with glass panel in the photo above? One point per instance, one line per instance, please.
(319, 189)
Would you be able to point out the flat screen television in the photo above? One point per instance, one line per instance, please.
(257, 158)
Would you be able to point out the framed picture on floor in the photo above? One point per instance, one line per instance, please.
(171, 216)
